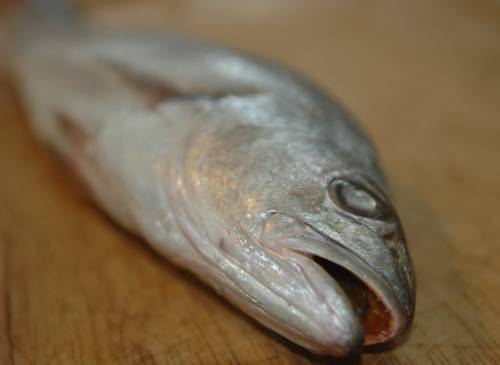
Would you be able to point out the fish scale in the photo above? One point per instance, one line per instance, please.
(230, 166)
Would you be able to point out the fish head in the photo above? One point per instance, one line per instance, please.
(356, 237)
(310, 242)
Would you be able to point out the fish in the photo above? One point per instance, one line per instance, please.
(232, 166)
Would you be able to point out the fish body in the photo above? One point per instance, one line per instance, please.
(232, 167)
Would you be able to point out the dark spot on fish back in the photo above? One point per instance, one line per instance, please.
(72, 131)
(153, 91)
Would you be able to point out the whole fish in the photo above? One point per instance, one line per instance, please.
(233, 167)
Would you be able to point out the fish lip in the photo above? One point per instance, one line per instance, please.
(332, 250)
(376, 284)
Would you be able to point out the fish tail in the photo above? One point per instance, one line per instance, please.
(29, 21)
(49, 14)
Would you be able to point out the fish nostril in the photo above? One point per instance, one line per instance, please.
(389, 236)
(390, 240)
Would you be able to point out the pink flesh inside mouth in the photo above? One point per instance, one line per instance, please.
(374, 316)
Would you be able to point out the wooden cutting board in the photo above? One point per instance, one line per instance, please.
(423, 77)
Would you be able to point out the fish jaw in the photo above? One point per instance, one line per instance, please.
(340, 332)
(383, 316)
(300, 301)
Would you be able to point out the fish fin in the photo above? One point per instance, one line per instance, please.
(81, 161)
(153, 91)
(73, 132)
(77, 139)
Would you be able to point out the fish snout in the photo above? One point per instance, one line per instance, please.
(406, 283)
(380, 300)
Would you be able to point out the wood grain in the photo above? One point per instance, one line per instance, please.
(423, 77)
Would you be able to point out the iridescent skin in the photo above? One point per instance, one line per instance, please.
(230, 166)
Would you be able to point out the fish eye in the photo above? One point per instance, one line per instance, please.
(353, 198)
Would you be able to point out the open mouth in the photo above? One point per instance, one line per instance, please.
(372, 298)
(373, 315)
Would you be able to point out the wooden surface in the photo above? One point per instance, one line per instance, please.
(423, 77)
